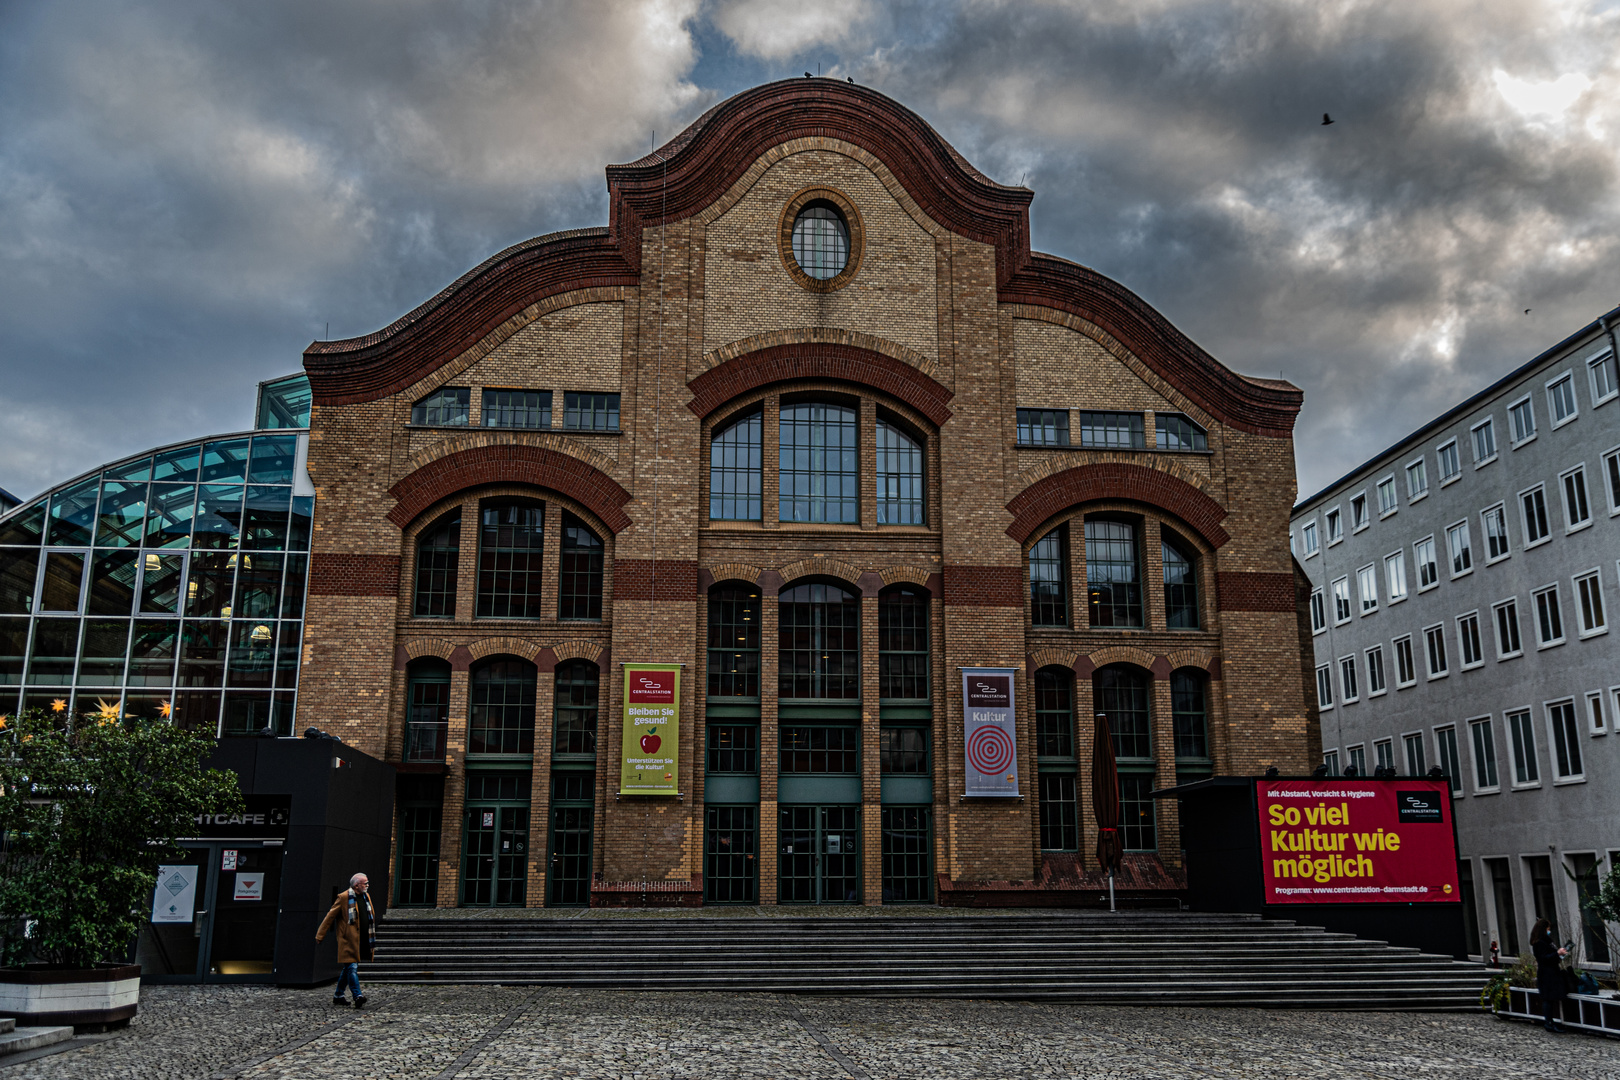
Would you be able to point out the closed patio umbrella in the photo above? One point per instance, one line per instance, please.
(1105, 802)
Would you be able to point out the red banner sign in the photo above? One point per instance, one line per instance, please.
(1357, 841)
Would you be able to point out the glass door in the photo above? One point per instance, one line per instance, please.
(494, 859)
(820, 857)
(171, 949)
(243, 914)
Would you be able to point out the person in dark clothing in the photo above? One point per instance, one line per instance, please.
(356, 926)
(1549, 975)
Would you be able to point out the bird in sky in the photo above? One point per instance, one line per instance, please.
(1527, 311)
(1326, 119)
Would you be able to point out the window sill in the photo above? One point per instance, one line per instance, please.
(1549, 644)
(1499, 558)
(1388, 513)
(1369, 611)
(1309, 555)
(1567, 780)
(1510, 656)
(1401, 599)
(1335, 542)
(1534, 785)
(1462, 573)
(1437, 678)
(1488, 791)
(1599, 632)
(1605, 399)
(1377, 693)
(1112, 449)
(1318, 630)
(1472, 667)
(1419, 497)
(1526, 441)
(1570, 419)
(1406, 685)
(1537, 543)
(1350, 701)
(554, 430)
(1569, 529)
(1363, 527)
(1447, 481)
(1425, 588)
(1487, 461)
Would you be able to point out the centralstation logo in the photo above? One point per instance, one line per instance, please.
(653, 687)
(989, 691)
(1418, 807)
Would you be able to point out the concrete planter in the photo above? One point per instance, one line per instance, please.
(91, 999)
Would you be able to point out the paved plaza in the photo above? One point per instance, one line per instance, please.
(495, 1032)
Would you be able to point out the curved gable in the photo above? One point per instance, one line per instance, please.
(1136, 483)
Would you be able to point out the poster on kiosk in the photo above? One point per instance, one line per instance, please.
(650, 750)
(1357, 841)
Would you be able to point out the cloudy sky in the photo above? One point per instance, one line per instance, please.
(190, 191)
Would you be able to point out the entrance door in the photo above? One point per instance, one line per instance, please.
(494, 856)
(820, 857)
(224, 901)
(570, 876)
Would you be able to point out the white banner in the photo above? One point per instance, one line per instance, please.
(175, 897)
(990, 731)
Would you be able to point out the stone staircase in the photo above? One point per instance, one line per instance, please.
(1138, 958)
(14, 1039)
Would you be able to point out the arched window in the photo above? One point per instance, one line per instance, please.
(821, 240)
(429, 705)
(903, 644)
(1054, 750)
(511, 540)
(734, 621)
(579, 594)
(818, 471)
(899, 477)
(734, 470)
(1180, 588)
(501, 708)
(819, 643)
(575, 707)
(1049, 579)
(437, 551)
(1190, 714)
(1113, 575)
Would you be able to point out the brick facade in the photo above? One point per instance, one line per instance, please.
(689, 309)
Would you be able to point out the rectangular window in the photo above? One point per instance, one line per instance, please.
(1335, 526)
(1048, 579)
(1137, 807)
(1484, 434)
(818, 474)
(903, 751)
(579, 587)
(1434, 639)
(1611, 470)
(1577, 515)
(1358, 512)
(1484, 744)
(1395, 575)
(590, 412)
(1113, 577)
(1416, 764)
(1507, 630)
(1358, 759)
(1594, 714)
(1324, 687)
(1111, 430)
(1522, 417)
(1428, 569)
(1468, 640)
(517, 408)
(1173, 432)
(1375, 671)
(1457, 545)
(1387, 499)
(1450, 466)
(1312, 542)
(1367, 585)
(1534, 505)
(821, 750)
(1522, 742)
(1445, 747)
(1602, 371)
(511, 541)
(1566, 740)
(1561, 399)
(447, 407)
(1060, 818)
(1405, 667)
(1347, 679)
(1494, 521)
(1331, 760)
(1341, 601)
(1318, 612)
(733, 748)
(1384, 752)
(1043, 427)
(899, 477)
(735, 454)
(1549, 618)
(1417, 480)
(1589, 602)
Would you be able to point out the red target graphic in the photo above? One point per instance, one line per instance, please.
(990, 750)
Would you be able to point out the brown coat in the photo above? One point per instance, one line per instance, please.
(353, 948)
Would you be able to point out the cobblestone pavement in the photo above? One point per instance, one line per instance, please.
(484, 1033)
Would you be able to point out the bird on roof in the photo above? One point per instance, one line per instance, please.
(807, 74)
(1326, 119)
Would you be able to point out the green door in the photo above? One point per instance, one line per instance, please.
(494, 856)
(819, 861)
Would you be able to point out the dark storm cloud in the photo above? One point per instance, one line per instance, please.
(189, 192)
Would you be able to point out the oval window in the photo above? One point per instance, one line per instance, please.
(821, 241)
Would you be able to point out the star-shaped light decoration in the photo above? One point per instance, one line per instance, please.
(3, 719)
(166, 710)
(58, 705)
(106, 713)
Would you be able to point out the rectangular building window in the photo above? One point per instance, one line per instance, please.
(1395, 575)
(511, 541)
(1417, 480)
(1468, 640)
(1347, 679)
(1113, 574)
(1434, 639)
(903, 751)
(1576, 512)
(899, 477)
(1387, 499)
(1112, 430)
(1561, 399)
(821, 750)
(1318, 612)
(1358, 512)
(1324, 687)
(1312, 542)
(1484, 434)
(516, 408)
(734, 635)
(1060, 818)
(1507, 630)
(579, 590)
(1384, 752)
(1405, 666)
(1594, 714)
(1549, 617)
(1136, 812)
(733, 748)
(1048, 579)
(1457, 545)
(1589, 602)
(1341, 601)
(590, 412)
(1445, 746)
(1367, 586)
(1173, 432)
(1335, 526)
(1534, 505)
(903, 644)
(1428, 569)
(447, 407)
(1416, 765)
(1496, 532)
(735, 453)
(1522, 416)
(1611, 469)
(818, 474)
(1522, 741)
(1375, 671)
(1484, 755)
(1566, 740)
(1043, 427)
(1331, 760)
(1357, 756)
(1602, 372)
(1450, 466)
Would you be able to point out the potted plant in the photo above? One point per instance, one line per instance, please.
(88, 811)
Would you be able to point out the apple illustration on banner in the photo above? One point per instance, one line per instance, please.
(650, 742)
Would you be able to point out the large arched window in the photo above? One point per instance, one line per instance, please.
(575, 708)
(734, 470)
(1113, 574)
(1190, 713)
(437, 552)
(1054, 750)
(818, 471)
(1180, 588)
(501, 707)
(819, 643)
(903, 644)
(899, 477)
(1049, 579)
(579, 593)
(734, 641)
(429, 705)
(511, 540)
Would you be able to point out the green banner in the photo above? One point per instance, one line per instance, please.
(649, 759)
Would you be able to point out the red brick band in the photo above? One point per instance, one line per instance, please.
(1136, 483)
(633, 579)
(335, 574)
(811, 360)
(1255, 591)
(985, 586)
(510, 464)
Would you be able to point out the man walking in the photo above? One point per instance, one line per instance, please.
(356, 936)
